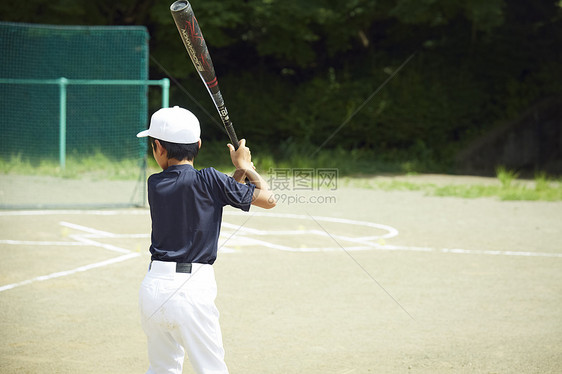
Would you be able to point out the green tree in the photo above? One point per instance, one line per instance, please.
(293, 71)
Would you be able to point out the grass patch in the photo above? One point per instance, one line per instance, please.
(348, 165)
(294, 156)
(508, 187)
(399, 185)
(94, 166)
(352, 164)
(466, 191)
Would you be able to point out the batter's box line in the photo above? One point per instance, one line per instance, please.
(70, 272)
(242, 240)
(366, 243)
(79, 240)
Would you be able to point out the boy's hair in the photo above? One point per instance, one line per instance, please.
(178, 151)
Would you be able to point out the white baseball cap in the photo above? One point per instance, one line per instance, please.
(174, 125)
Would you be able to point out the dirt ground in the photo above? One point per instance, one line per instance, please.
(39, 191)
(331, 281)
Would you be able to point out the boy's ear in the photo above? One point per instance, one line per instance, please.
(159, 149)
(199, 142)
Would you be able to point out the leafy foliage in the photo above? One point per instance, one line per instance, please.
(293, 71)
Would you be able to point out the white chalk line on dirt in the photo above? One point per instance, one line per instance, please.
(241, 237)
(70, 272)
(86, 229)
(365, 241)
(79, 240)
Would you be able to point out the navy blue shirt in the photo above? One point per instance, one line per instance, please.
(186, 210)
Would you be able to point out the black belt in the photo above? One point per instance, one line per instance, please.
(184, 267)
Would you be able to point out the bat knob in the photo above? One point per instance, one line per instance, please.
(179, 5)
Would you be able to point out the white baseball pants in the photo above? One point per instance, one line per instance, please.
(178, 315)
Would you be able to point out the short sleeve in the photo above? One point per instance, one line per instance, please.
(228, 191)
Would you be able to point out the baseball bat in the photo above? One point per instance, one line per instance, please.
(194, 42)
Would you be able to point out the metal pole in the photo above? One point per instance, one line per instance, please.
(62, 121)
(165, 92)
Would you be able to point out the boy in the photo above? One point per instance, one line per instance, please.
(177, 295)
